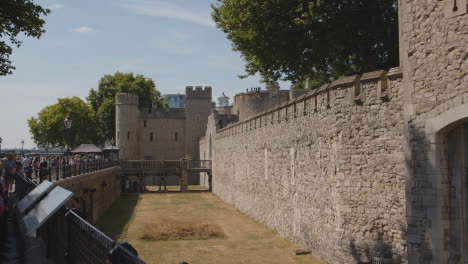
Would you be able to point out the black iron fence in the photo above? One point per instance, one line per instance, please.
(71, 239)
(56, 173)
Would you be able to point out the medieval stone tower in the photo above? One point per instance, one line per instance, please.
(197, 110)
(161, 134)
(126, 111)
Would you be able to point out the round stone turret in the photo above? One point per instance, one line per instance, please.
(126, 113)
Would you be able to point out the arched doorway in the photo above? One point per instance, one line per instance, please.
(456, 192)
(447, 136)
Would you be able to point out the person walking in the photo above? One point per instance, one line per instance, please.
(10, 171)
(42, 169)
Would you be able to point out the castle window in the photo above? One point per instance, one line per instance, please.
(176, 136)
(151, 136)
(144, 123)
(220, 123)
(128, 135)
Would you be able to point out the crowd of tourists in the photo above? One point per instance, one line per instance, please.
(33, 166)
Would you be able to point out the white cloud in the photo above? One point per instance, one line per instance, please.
(83, 29)
(56, 6)
(170, 10)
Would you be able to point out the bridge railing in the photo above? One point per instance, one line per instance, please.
(199, 164)
(140, 164)
(154, 165)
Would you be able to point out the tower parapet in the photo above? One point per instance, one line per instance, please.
(272, 86)
(198, 92)
(126, 99)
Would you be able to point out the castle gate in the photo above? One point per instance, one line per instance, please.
(447, 134)
(457, 159)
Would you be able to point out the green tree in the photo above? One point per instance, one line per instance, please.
(48, 129)
(323, 40)
(102, 100)
(18, 16)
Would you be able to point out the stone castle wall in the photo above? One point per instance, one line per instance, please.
(162, 134)
(167, 141)
(434, 58)
(367, 166)
(94, 192)
(326, 169)
(251, 103)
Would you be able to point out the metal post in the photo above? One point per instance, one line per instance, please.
(68, 145)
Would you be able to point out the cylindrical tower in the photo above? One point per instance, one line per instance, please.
(223, 101)
(126, 113)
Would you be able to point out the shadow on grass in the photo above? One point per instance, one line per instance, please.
(114, 221)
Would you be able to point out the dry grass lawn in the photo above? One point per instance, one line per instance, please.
(139, 219)
(165, 229)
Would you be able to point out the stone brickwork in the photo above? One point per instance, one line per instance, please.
(367, 168)
(254, 102)
(325, 169)
(434, 58)
(161, 134)
(94, 192)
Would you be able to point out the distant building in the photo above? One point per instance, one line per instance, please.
(175, 100)
(162, 134)
(223, 101)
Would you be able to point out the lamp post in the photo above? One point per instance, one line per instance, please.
(68, 124)
(22, 147)
(1, 146)
(112, 151)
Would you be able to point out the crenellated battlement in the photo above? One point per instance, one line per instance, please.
(126, 98)
(369, 89)
(198, 92)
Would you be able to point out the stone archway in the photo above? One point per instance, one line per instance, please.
(457, 169)
(448, 167)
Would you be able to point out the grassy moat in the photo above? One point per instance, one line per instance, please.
(196, 228)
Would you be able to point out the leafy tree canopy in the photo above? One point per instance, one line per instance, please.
(18, 16)
(320, 39)
(102, 100)
(48, 129)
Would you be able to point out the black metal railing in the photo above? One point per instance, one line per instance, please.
(56, 173)
(71, 239)
(87, 243)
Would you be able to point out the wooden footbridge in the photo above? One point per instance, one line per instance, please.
(181, 168)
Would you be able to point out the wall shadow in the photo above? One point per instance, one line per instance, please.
(116, 218)
(380, 252)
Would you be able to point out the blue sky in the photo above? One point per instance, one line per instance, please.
(174, 42)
